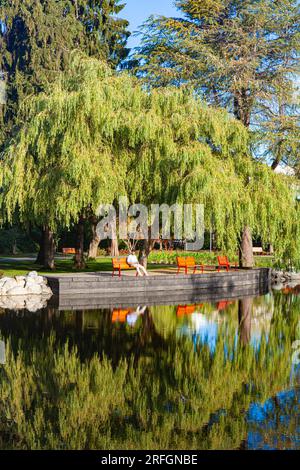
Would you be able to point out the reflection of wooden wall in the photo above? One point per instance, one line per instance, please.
(103, 291)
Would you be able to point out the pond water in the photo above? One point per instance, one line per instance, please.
(216, 375)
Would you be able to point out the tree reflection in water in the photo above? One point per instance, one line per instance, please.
(210, 376)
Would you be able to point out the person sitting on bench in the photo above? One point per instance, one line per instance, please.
(133, 261)
(132, 317)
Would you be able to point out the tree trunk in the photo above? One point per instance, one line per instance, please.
(114, 247)
(79, 256)
(245, 314)
(242, 111)
(93, 248)
(41, 254)
(49, 248)
(144, 253)
(242, 105)
(279, 150)
(145, 250)
(14, 248)
(246, 257)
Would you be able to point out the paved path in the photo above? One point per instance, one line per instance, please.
(17, 260)
(9, 259)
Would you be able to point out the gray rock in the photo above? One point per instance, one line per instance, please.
(17, 290)
(21, 281)
(34, 289)
(32, 284)
(39, 280)
(293, 284)
(12, 303)
(32, 274)
(278, 286)
(3, 280)
(284, 277)
(32, 303)
(46, 290)
(9, 284)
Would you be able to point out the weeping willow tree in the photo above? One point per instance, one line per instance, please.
(236, 192)
(59, 165)
(97, 134)
(239, 54)
(199, 154)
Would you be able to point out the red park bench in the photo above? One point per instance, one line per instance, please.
(120, 264)
(69, 251)
(187, 309)
(119, 315)
(224, 263)
(186, 263)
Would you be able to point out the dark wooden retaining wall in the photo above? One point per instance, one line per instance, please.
(101, 290)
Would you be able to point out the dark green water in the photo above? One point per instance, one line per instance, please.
(202, 376)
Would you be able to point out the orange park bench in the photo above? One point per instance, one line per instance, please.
(69, 251)
(183, 310)
(223, 304)
(120, 264)
(186, 263)
(224, 263)
(119, 315)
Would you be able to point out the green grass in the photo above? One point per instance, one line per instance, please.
(15, 268)
(205, 257)
(264, 261)
(65, 265)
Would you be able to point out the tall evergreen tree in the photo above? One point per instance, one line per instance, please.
(37, 36)
(236, 53)
(276, 130)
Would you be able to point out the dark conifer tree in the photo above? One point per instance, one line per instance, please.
(37, 37)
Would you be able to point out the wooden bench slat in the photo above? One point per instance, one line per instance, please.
(223, 262)
(187, 262)
(120, 264)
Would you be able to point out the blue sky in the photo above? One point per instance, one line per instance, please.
(137, 11)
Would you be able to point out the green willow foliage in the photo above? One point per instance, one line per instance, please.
(174, 396)
(97, 135)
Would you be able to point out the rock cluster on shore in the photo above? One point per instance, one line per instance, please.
(282, 279)
(32, 303)
(29, 285)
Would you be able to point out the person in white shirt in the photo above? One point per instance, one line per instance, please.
(132, 317)
(133, 261)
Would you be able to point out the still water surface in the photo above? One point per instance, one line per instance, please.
(202, 376)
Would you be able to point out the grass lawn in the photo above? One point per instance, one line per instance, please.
(12, 267)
